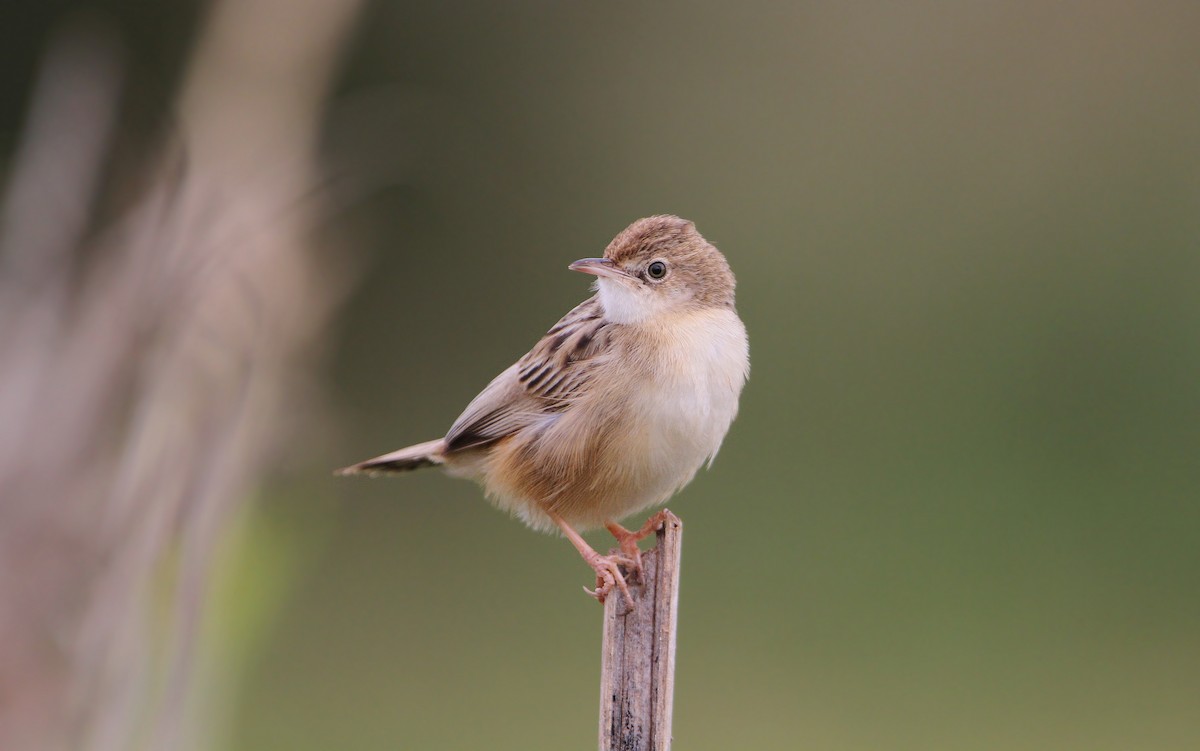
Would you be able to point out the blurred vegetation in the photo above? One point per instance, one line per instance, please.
(959, 509)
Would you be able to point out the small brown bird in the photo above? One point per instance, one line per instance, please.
(617, 406)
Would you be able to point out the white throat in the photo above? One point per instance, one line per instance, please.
(625, 304)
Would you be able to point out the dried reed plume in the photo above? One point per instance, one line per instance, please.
(148, 368)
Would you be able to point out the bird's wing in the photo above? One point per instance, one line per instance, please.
(542, 383)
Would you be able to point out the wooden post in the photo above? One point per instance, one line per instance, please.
(637, 668)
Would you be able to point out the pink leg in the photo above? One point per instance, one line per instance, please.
(607, 567)
(628, 541)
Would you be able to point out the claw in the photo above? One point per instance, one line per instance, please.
(608, 576)
(628, 541)
(607, 567)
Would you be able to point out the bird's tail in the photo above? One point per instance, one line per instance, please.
(426, 454)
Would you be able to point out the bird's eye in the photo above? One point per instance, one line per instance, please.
(657, 270)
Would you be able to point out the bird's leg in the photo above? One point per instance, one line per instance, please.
(628, 541)
(607, 567)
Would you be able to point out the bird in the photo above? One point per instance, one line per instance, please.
(616, 407)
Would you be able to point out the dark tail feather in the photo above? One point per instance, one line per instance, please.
(426, 454)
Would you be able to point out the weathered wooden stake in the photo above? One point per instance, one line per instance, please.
(637, 668)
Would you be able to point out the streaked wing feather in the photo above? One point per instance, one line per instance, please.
(544, 381)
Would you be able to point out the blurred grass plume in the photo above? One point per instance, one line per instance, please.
(150, 362)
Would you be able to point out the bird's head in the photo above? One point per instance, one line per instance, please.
(656, 266)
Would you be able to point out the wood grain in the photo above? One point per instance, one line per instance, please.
(637, 668)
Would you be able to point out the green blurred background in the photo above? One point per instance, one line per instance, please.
(959, 508)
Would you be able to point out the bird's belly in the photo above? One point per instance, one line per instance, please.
(676, 419)
(676, 427)
(687, 406)
(618, 453)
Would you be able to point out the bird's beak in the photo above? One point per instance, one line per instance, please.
(598, 267)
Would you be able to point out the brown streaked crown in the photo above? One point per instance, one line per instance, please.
(696, 266)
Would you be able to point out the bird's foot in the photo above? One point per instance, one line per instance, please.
(628, 541)
(607, 567)
(609, 576)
